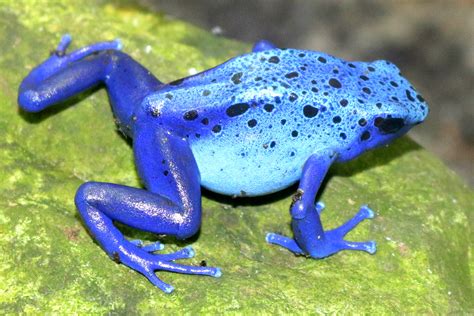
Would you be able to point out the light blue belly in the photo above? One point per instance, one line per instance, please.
(245, 167)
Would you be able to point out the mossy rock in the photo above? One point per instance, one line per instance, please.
(49, 263)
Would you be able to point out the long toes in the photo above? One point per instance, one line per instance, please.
(273, 238)
(94, 48)
(165, 287)
(64, 43)
(367, 246)
(118, 45)
(366, 211)
(185, 253)
(180, 268)
(155, 246)
(371, 247)
(164, 262)
(320, 207)
(285, 242)
(137, 242)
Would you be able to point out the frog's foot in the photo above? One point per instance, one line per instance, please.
(62, 75)
(323, 243)
(59, 59)
(146, 263)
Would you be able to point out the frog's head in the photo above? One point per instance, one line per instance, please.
(391, 110)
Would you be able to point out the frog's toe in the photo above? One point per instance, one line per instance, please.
(118, 45)
(94, 48)
(181, 268)
(185, 253)
(364, 213)
(60, 52)
(164, 262)
(367, 246)
(66, 39)
(155, 246)
(283, 241)
(148, 264)
(165, 287)
(320, 207)
(334, 241)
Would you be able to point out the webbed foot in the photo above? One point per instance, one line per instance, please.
(323, 243)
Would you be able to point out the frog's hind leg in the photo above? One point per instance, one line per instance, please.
(62, 76)
(172, 205)
(102, 203)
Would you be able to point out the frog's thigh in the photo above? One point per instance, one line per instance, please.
(262, 45)
(171, 206)
(167, 167)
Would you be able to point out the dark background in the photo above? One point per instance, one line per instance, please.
(432, 42)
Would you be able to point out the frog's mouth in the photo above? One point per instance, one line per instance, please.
(389, 125)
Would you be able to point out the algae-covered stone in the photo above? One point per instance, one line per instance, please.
(49, 263)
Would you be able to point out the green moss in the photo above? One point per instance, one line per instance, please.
(49, 263)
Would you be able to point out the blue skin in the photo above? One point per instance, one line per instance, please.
(253, 125)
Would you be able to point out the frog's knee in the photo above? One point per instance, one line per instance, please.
(188, 230)
(86, 193)
(189, 225)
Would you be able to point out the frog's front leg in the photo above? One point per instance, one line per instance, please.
(309, 236)
(172, 205)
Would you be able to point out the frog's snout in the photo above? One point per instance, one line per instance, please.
(420, 113)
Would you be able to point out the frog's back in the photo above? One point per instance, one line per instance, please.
(254, 120)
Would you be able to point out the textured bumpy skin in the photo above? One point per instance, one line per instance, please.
(251, 126)
(261, 115)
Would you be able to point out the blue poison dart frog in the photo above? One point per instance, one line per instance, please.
(253, 125)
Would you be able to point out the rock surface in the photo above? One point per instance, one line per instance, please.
(49, 263)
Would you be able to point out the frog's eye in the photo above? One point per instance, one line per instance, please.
(389, 125)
